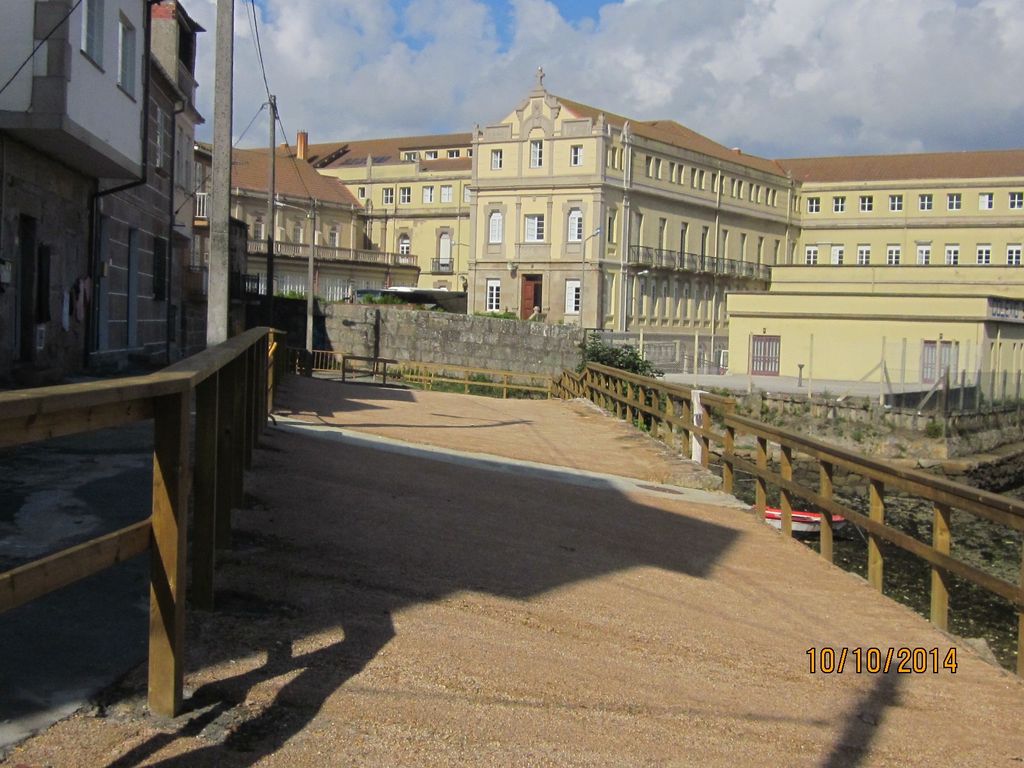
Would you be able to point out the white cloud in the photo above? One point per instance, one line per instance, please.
(777, 77)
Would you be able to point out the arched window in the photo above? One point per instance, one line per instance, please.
(444, 249)
(575, 225)
(404, 245)
(495, 226)
(334, 236)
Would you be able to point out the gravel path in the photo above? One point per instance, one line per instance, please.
(390, 609)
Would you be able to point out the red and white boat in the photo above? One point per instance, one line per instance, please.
(803, 522)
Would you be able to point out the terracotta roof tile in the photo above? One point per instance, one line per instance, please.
(339, 153)
(250, 169)
(671, 132)
(935, 165)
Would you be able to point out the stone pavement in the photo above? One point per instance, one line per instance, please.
(388, 604)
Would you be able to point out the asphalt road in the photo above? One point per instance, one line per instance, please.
(59, 650)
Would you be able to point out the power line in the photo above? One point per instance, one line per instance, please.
(238, 141)
(255, 25)
(39, 45)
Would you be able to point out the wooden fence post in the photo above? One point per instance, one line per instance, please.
(249, 388)
(238, 430)
(876, 513)
(1020, 622)
(728, 474)
(167, 560)
(940, 579)
(760, 484)
(227, 447)
(825, 490)
(786, 497)
(204, 494)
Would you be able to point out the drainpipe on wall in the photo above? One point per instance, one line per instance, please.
(91, 317)
(168, 283)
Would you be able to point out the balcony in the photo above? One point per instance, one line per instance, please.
(202, 205)
(326, 253)
(657, 258)
(442, 266)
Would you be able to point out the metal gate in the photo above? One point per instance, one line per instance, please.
(764, 355)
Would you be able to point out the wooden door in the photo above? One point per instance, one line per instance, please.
(531, 295)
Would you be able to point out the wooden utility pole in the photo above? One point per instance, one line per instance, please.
(271, 221)
(220, 214)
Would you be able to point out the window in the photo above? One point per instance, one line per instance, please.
(1013, 255)
(535, 228)
(863, 255)
(952, 255)
(892, 255)
(924, 202)
(649, 167)
(867, 203)
(405, 195)
(361, 193)
(493, 295)
(428, 194)
(837, 254)
(126, 56)
(575, 225)
(495, 225)
(161, 149)
(813, 204)
(924, 254)
(446, 193)
(811, 254)
(257, 229)
(536, 153)
(611, 226)
(838, 204)
(700, 177)
(985, 201)
(92, 30)
(297, 231)
(334, 236)
(938, 358)
(444, 252)
(453, 153)
(953, 201)
(984, 254)
(496, 159)
(572, 297)
(430, 154)
(404, 245)
(1016, 200)
(465, 194)
(895, 203)
(409, 156)
(387, 195)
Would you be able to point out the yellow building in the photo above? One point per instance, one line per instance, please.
(314, 214)
(585, 216)
(916, 254)
(416, 198)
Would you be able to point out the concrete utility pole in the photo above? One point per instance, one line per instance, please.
(271, 221)
(220, 214)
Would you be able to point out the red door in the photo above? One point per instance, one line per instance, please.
(531, 294)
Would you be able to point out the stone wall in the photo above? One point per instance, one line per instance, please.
(466, 340)
(434, 337)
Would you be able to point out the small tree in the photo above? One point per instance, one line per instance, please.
(625, 358)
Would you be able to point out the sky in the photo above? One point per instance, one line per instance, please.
(777, 78)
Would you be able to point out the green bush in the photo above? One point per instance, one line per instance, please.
(384, 299)
(933, 429)
(499, 315)
(624, 358)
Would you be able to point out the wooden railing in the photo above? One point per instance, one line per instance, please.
(667, 411)
(233, 384)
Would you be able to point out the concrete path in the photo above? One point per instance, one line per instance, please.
(416, 607)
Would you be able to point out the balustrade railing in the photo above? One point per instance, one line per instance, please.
(659, 258)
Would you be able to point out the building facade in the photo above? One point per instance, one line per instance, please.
(70, 120)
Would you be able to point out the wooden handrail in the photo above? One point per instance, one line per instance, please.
(633, 397)
(234, 394)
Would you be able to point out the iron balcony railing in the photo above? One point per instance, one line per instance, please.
(330, 253)
(646, 256)
(442, 266)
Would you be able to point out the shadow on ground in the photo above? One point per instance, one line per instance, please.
(348, 536)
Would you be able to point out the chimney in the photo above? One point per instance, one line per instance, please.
(302, 145)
